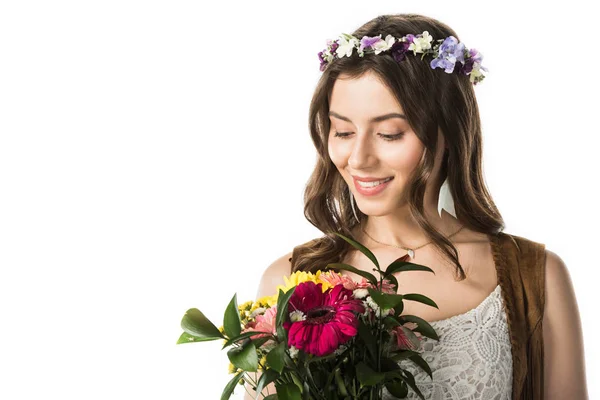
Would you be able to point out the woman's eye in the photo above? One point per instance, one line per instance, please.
(397, 136)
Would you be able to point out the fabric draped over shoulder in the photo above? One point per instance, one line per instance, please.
(520, 265)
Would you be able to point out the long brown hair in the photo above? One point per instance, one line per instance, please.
(430, 99)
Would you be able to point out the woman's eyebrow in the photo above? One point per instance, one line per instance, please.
(374, 119)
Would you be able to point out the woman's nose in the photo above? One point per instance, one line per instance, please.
(362, 153)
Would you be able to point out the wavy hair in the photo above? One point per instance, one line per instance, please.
(431, 99)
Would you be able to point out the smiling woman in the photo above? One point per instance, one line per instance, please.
(398, 137)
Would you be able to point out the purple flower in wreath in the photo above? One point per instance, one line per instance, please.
(399, 50)
(368, 42)
(323, 62)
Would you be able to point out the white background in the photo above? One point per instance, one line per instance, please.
(153, 158)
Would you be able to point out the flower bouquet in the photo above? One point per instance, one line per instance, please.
(323, 335)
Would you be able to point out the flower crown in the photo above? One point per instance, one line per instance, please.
(445, 52)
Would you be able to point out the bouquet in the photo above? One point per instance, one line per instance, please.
(323, 336)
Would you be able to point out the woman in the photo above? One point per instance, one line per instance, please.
(400, 170)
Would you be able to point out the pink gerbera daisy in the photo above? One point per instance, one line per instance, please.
(263, 323)
(334, 278)
(328, 321)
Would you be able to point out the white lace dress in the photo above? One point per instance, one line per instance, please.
(472, 360)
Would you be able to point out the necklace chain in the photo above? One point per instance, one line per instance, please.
(411, 251)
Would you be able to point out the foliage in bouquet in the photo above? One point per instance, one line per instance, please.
(323, 335)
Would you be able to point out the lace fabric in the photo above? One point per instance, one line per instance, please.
(471, 361)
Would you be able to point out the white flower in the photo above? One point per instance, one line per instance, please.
(420, 44)
(297, 315)
(372, 303)
(475, 73)
(345, 46)
(259, 310)
(360, 293)
(327, 56)
(293, 351)
(375, 307)
(384, 45)
(340, 350)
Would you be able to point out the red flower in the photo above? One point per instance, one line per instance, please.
(328, 320)
(406, 338)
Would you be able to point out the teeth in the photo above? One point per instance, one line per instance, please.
(372, 184)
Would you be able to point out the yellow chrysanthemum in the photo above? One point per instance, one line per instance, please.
(267, 301)
(263, 361)
(245, 306)
(302, 276)
(232, 368)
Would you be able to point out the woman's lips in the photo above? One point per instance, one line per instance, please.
(371, 191)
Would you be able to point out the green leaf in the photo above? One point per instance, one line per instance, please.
(397, 388)
(288, 391)
(275, 357)
(367, 376)
(231, 320)
(384, 300)
(271, 397)
(296, 380)
(410, 379)
(417, 359)
(187, 338)
(403, 354)
(421, 299)
(365, 334)
(340, 382)
(391, 321)
(360, 248)
(423, 326)
(282, 312)
(244, 357)
(196, 324)
(260, 341)
(370, 277)
(266, 377)
(228, 391)
(403, 266)
(246, 335)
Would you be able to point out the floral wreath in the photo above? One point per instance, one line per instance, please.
(445, 52)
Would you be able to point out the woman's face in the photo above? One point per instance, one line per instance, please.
(364, 151)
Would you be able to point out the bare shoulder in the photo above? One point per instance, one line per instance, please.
(559, 287)
(556, 271)
(564, 360)
(273, 275)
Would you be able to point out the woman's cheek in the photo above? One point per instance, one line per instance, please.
(335, 153)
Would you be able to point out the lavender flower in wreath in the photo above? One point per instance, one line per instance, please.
(450, 52)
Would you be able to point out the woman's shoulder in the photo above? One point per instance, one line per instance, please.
(522, 244)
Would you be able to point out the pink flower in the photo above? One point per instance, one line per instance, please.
(263, 323)
(334, 278)
(386, 286)
(330, 318)
(406, 338)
